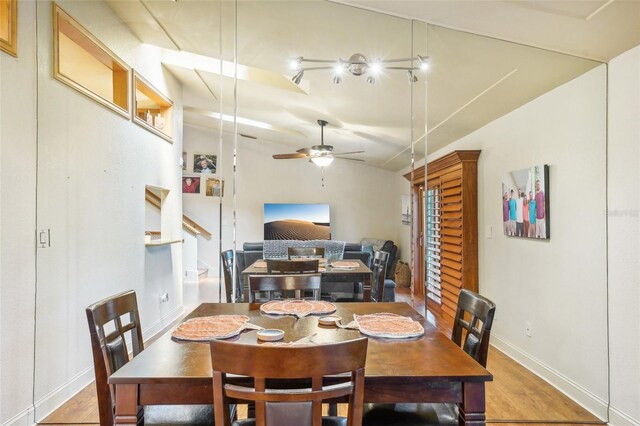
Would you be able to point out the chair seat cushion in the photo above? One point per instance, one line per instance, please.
(326, 421)
(409, 414)
(174, 415)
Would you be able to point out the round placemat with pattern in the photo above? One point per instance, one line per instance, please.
(388, 325)
(299, 308)
(212, 327)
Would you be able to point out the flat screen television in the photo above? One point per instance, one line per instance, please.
(296, 222)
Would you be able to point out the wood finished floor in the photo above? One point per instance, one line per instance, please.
(515, 397)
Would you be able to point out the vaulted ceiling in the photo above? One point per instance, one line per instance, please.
(472, 79)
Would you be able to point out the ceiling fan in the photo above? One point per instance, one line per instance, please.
(321, 155)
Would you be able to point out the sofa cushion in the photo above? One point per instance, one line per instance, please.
(258, 246)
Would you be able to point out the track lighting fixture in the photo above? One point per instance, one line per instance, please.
(358, 65)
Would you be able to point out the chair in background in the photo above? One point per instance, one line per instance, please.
(276, 266)
(379, 269)
(272, 284)
(473, 337)
(110, 353)
(227, 265)
(300, 405)
(305, 252)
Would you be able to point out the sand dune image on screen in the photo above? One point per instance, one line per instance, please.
(296, 222)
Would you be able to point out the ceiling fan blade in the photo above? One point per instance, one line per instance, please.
(305, 151)
(349, 159)
(347, 153)
(289, 156)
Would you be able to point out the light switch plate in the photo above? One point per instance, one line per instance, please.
(488, 231)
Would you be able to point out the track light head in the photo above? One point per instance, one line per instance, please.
(412, 78)
(424, 62)
(295, 63)
(298, 77)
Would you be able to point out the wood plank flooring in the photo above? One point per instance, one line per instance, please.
(515, 397)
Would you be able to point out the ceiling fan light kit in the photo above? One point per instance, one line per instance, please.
(321, 155)
(358, 65)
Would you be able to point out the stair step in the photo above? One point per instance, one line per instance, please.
(203, 272)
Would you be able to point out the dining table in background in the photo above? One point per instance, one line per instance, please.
(430, 368)
(360, 273)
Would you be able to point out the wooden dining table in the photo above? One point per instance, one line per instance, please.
(430, 368)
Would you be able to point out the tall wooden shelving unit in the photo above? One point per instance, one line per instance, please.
(455, 250)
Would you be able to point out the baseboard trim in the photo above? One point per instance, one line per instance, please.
(57, 397)
(619, 418)
(26, 417)
(582, 396)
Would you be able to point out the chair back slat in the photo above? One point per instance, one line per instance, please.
(277, 266)
(473, 335)
(227, 265)
(379, 268)
(271, 284)
(299, 405)
(110, 350)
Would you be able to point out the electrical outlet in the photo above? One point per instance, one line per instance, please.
(527, 328)
(164, 298)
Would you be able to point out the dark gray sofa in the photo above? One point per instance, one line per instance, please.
(253, 251)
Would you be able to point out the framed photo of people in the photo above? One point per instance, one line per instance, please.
(205, 163)
(214, 188)
(190, 184)
(525, 203)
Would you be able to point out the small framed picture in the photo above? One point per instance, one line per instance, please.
(184, 160)
(190, 185)
(205, 163)
(215, 187)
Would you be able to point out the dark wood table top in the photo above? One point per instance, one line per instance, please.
(361, 269)
(432, 357)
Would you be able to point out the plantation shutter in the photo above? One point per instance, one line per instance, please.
(452, 228)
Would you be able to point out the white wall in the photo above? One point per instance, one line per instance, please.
(624, 236)
(364, 200)
(93, 169)
(558, 285)
(17, 219)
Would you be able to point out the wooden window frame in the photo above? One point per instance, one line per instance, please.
(9, 17)
(153, 93)
(103, 54)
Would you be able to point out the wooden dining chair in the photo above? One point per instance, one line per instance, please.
(272, 284)
(227, 264)
(305, 252)
(379, 268)
(471, 331)
(295, 368)
(277, 266)
(110, 352)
